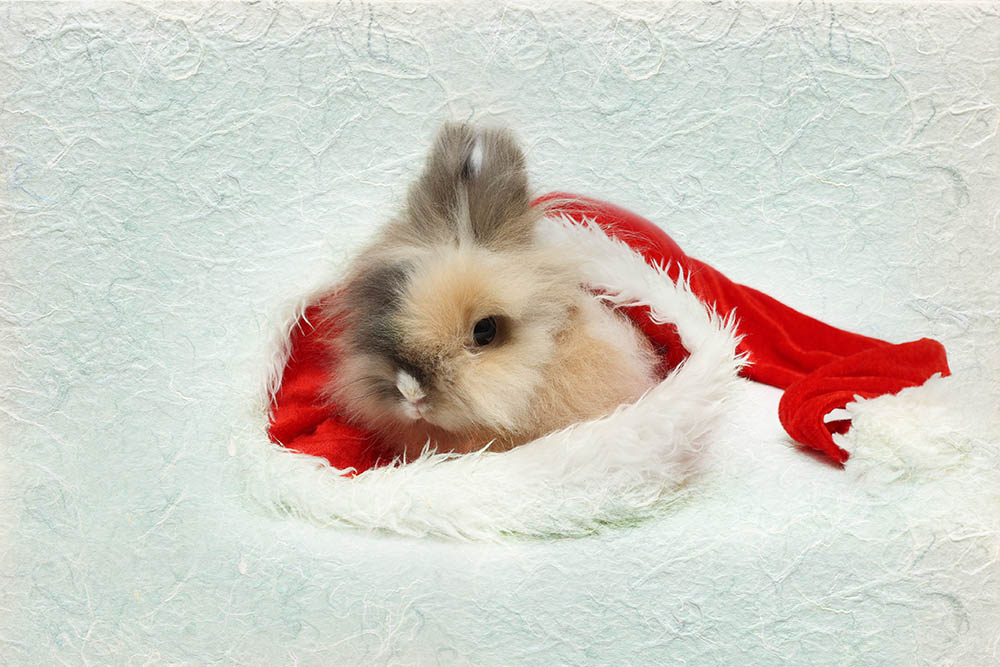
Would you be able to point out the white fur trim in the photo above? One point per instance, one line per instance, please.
(613, 469)
(923, 432)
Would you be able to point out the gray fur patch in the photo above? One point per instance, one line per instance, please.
(482, 172)
(376, 298)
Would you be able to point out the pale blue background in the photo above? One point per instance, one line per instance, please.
(173, 174)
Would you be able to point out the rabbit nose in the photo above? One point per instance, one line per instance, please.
(415, 411)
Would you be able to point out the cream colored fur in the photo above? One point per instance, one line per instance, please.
(564, 358)
(405, 364)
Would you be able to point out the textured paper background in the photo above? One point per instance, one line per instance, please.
(174, 174)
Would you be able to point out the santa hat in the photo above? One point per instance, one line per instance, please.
(821, 368)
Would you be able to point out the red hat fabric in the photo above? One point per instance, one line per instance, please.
(820, 367)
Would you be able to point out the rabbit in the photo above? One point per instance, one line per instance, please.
(457, 331)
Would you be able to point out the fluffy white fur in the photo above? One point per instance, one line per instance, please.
(609, 470)
(615, 469)
(924, 432)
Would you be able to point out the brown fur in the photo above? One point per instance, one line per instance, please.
(463, 250)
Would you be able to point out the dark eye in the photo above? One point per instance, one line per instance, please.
(484, 331)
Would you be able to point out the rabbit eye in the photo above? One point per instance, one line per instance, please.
(484, 331)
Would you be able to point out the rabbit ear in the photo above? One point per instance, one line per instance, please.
(474, 188)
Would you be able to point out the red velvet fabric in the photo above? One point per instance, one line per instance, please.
(820, 367)
(300, 420)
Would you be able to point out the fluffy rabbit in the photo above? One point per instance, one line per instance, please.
(455, 328)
